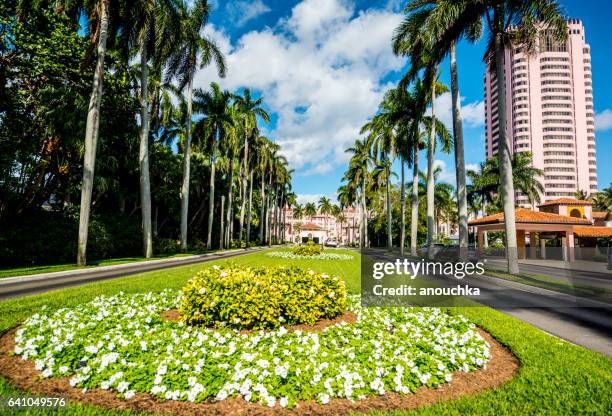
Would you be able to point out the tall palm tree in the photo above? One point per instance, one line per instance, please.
(325, 208)
(413, 36)
(191, 50)
(98, 14)
(510, 24)
(215, 125)
(251, 110)
(581, 194)
(357, 177)
(156, 20)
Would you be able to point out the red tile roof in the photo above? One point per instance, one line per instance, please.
(310, 227)
(524, 215)
(566, 201)
(593, 231)
(600, 215)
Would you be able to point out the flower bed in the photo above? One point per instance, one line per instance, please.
(121, 343)
(323, 256)
(247, 298)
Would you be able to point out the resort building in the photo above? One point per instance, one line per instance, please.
(565, 229)
(320, 227)
(549, 110)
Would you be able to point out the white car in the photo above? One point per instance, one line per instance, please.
(331, 243)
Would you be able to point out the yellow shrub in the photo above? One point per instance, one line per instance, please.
(308, 249)
(254, 298)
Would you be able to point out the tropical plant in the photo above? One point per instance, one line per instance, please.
(510, 24)
(191, 50)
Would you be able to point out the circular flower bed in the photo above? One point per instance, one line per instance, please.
(122, 343)
(323, 256)
(247, 298)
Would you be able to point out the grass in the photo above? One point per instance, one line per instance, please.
(551, 283)
(556, 378)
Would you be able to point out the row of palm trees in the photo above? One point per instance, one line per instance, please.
(166, 38)
(406, 121)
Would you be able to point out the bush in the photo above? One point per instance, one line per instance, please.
(166, 246)
(308, 249)
(256, 298)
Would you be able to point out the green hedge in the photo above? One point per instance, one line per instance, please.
(256, 298)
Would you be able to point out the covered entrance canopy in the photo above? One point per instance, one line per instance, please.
(545, 225)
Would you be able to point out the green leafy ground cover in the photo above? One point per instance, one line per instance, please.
(556, 378)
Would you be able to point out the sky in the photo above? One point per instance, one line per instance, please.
(323, 67)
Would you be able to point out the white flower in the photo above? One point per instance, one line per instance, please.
(202, 290)
(284, 401)
(129, 394)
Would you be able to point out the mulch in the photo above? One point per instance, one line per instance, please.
(502, 366)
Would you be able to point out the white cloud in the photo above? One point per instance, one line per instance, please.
(240, 12)
(603, 120)
(320, 71)
(472, 166)
(447, 175)
(472, 113)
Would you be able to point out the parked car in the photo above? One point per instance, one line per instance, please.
(331, 243)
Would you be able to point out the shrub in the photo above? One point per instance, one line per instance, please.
(255, 298)
(308, 249)
(166, 246)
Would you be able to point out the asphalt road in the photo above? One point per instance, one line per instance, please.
(577, 320)
(60, 280)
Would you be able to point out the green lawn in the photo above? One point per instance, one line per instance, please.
(556, 378)
(551, 283)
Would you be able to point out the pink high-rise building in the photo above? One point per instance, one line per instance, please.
(549, 107)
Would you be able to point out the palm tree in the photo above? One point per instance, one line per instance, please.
(251, 109)
(325, 208)
(581, 194)
(510, 24)
(310, 210)
(156, 20)
(486, 185)
(217, 121)
(190, 50)
(98, 16)
(357, 177)
(412, 37)
(601, 201)
(264, 154)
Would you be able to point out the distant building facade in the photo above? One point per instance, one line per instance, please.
(321, 227)
(549, 110)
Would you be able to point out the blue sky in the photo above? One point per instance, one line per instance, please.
(323, 66)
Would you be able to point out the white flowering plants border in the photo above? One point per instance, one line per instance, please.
(323, 256)
(122, 343)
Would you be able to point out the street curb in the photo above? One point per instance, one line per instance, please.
(91, 270)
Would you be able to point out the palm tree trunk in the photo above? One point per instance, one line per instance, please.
(504, 157)
(186, 168)
(211, 197)
(221, 236)
(91, 138)
(389, 225)
(365, 212)
(261, 213)
(459, 156)
(244, 188)
(414, 202)
(228, 217)
(145, 183)
(402, 210)
(430, 172)
(249, 211)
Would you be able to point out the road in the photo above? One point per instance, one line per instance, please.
(577, 320)
(12, 287)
